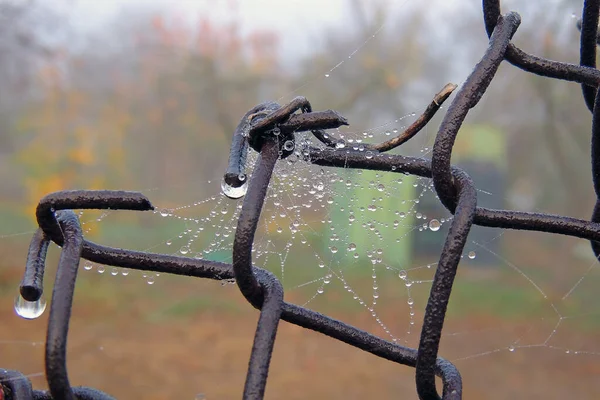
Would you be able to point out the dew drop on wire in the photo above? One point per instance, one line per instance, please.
(472, 255)
(233, 192)
(87, 266)
(29, 309)
(351, 247)
(101, 269)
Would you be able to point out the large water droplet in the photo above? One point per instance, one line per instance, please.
(472, 255)
(29, 309)
(434, 225)
(351, 247)
(234, 192)
(289, 145)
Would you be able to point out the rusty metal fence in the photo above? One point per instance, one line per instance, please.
(270, 130)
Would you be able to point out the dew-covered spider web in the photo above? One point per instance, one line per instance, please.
(362, 246)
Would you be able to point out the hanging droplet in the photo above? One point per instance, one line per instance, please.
(402, 274)
(234, 192)
(511, 348)
(351, 247)
(101, 269)
(333, 249)
(184, 250)
(472, 255)
(410, 301)
(29, 309)
(165, 212)
(369, 154)
(434, 225)
(150, 280)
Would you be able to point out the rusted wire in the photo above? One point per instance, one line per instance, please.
(266, 128)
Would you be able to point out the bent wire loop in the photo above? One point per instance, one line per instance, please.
(267, 128)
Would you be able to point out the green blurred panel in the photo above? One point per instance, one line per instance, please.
(387, 228)
(480, 142)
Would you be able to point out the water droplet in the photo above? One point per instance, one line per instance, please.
(234, 192)
(320, 290)
(321, 264)
(87, 266)
(276, 131)
(165, 212)
(402, 274)
(326, 75)
(101, 269)
(340, 145)
(434, 225)
(114, 271)
(150, 280)
(410, 301)
(369, 154)
(289, 145)
(381, 187)
(511, 348)
(351, 247)
(472, 255)
(29, 309)
(184, 250)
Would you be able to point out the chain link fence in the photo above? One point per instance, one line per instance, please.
(270, 130)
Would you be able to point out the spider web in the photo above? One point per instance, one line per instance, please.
(336, 236)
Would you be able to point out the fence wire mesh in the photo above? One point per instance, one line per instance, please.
(270, 130)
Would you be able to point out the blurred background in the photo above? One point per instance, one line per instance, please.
(145, 94)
